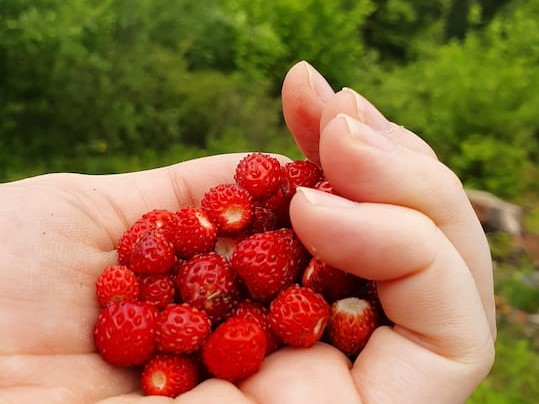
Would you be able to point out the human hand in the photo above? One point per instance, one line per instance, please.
(413, 230)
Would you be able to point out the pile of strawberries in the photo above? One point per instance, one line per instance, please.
(209, 291)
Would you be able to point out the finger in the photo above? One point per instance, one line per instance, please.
(362, 165)
(304, 94)
(214, 391)
(349, 102)
(317, 375)
(441, 332)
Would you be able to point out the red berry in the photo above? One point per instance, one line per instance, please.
(264, 219)
(194, 233)
(299, 257)
(325, 186)
(258, 313)
(169, 375)
(161, 220)
(351, 323)
(207, 282)
(279, 204)
(260, 174)
(235, 350)
(181, 328)
(300, 173)
(130, 238)
(116, 283)
(331, 282)
(229, 206)
(152, 253)
(157, 289)
(298, 316)
(124, 333)
(263, 262)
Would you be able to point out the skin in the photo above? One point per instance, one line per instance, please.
(403, 220)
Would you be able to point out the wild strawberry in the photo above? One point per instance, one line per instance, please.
(299, 173)
(130, 238)
(299, 257)
(207, 282)
(279, 204)
(264, 219)
(325, 186)
(229, 206)
(351, 323)
(152, 253)
(169, 375)
(181, 328)
(124, 333)
(235, 350)
(260, 174)
(298, 316)
(161, 220)
(331, 282)
(157, 289)
(254, 311)
(263, 262)
(194, 233)
(116, 283)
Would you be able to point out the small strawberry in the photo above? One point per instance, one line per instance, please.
(152, 253)
(300, 173)
(264, 263)
(351, 323)
(298, 316)
(264, 219)
(207, 282)
(181, 328)
(157, 289)
(124, 333)
(229, 206)
(260, 174)
(279, 204)
(325, 186)
(299, 257)
(130, 238)
(235, 350)
(258, 313)
(194, 233)
(116, 283)
(169, 375)
(161, 220)
(331, 282)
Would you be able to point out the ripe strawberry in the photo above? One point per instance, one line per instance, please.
(116, 283)
(299, 173)
(298, 316)
(331, 282)
(169, 375)
(260, 174)
(264, 219)
(325, 186)
(351, 323)
(157, 289)
(181, 328)
(161, 220)
(235, 350)
(264, 263)
(130, 238)
(152, 253)
(299, 257)
(279, 204)
(207, 282)
(194, 233)
(124, 333)
(229, 206)
(254, 311)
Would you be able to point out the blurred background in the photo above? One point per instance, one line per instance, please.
(107, 86)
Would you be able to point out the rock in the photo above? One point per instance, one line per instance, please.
(496, 214)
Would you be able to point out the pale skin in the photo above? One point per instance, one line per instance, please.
(404, 220)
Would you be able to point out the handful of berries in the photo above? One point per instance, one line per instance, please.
(209, 291)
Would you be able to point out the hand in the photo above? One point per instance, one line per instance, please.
(411, 228)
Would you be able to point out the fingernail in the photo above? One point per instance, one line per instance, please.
(367, 113)
(358, 131)
(318, 83)
(322, 198)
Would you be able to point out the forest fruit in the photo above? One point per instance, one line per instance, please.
(298, 316)
(124, 333)
(230, 207)
(210, 290)
(116, 283)
(181, 328)
(169, 375)
(351, 323)
(235, 350)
